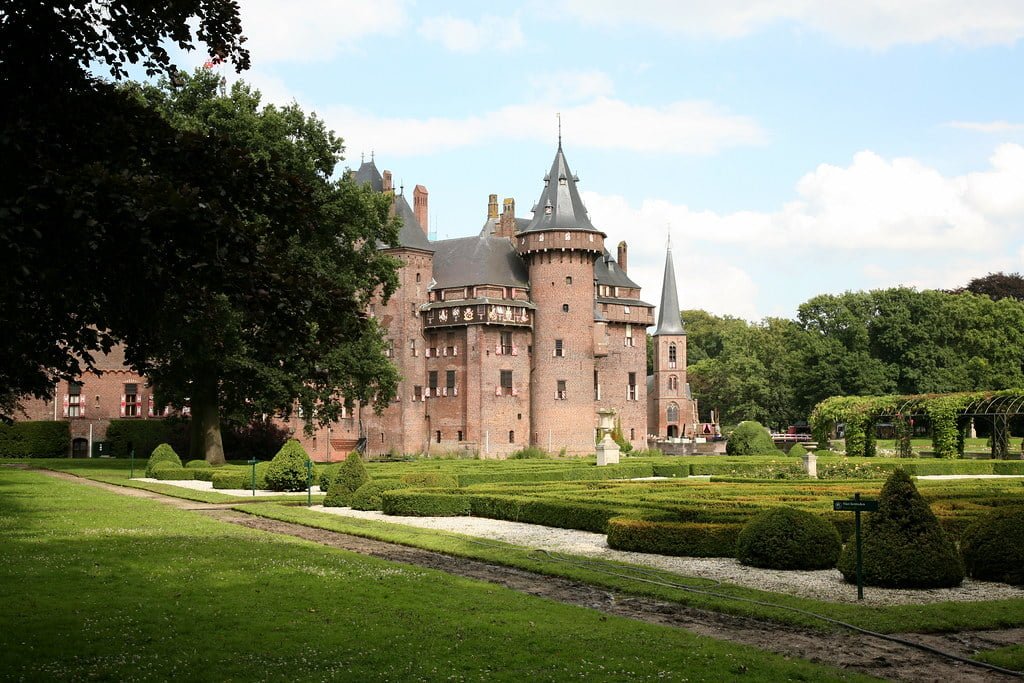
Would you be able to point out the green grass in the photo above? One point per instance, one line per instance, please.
(1009, 657)
(99, 586)
(936, 617)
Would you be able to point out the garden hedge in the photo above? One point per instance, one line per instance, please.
(681, 539)
(432, 480)
(786, 538)
(35, 439)
(162, 454)
(166, 471)
(408, 503)
(993, 546)
(368, 496)
(231, 480)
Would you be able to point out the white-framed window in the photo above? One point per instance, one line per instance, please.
(631, 387)
(559, 350)
(76, 406)
(560, 391)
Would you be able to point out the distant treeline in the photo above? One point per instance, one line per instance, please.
(888, 341)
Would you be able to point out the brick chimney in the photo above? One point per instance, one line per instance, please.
(419, 207)
(622, 256)
(507, 224)
(492, 206)
(386, 179)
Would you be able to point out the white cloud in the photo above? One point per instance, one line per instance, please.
(988, 126)
(604, 123)
(314, 30)
(465, 36)
(876, 24)
(572, 86)
(873, 203)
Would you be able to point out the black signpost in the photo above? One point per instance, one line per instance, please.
(856, 506)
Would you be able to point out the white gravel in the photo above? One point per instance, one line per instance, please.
(821, 585)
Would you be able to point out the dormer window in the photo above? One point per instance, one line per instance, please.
(562, 180)
(548, 209)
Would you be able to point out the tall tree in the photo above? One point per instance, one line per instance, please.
(265, 307)
(998, 286)
(79, 167)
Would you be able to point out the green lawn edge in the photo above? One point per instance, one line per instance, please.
(1009, 657)
(930, 618)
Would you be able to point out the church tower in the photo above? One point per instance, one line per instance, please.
(560, 247)
(671, 411)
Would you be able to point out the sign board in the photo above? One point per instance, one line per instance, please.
(855, 505)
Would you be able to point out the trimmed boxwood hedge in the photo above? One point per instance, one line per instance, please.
(408, 503)
(431, 480)
(204, 473)
(198, 464)
(993, 546)
(169, 472)
(368, 496)
(231, 480)
(786, 538)
(681, 539)
(588, 472)
(35, 439)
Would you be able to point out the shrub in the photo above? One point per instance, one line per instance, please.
(750, 438)
(530, 453)
(904, 546)
(993, 546)
(230, 480)
(326, 478)
(350, 476)
(431, 480)
(35, 439)
(162, 453)
(798, 450)
(288, 470)
(368, 496)
(680, 539)
(424, 504)
(198, 464)
(167, 471)
(204, 473)
(141, 435)
(785, 538)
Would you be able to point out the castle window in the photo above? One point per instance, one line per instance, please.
(632, 433)
(672, 413)
(506, 382)
(437, 436)
(625, 310)
(505, 345)
(460, 434)
(629, 335)
(631, 387)
(417, 393)
(412, 346)
(567, 236)
(560, 393)
(450, 381)
(565, 308)
(568, 279)
(672, 356)
(417, 277)
(130, 401)
(74, 399)
(432, 383)
(559, 349)
(673, 383)
(597, 386)
(389, 348)
(511, 436)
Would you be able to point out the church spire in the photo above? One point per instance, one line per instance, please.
(669, 321)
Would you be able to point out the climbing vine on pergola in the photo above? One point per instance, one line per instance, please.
(948, 414)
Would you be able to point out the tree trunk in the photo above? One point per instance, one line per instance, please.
(206, 440)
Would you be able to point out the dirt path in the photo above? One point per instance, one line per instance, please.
(844, 649)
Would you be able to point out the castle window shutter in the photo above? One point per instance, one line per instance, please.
(444, 351)
(81, 407)
(124, 402)
(497, 390)
(455, 391)
(515, 392)
(151, 410)
(515, 350)
(455, 350)
(67, 402)
(444, 391)
(497, 349)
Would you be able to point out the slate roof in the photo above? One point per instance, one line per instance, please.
(478, 261)
(668, 311)
(411, 233)
(367, 173)
(560, 206)
(607, 272)
(491, 226)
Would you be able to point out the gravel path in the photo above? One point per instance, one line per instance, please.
(820, 585)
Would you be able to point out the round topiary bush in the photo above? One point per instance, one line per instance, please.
(162, 453)
(750, 438)
(368, 496)
(904, 546)
(287, 471)
(430, 480)
(993, 546)
(785, 538)
(351, 475)
(197, 464)
(798, 451)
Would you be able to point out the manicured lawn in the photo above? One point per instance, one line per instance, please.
(96, 585)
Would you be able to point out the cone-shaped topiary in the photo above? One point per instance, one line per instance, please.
(993, 546)
(785, 538)
(904, 546)
(750, 438)
(287, 471)
(162, 453)
(351, 475)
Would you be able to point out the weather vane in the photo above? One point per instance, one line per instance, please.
(558, 115)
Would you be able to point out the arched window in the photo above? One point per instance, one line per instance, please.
(672, 414)
(673, 383)
(672, 355)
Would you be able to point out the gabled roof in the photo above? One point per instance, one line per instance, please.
(367, 173)
(607, 272)
(478, 261)
(560, 206)
(669, 321)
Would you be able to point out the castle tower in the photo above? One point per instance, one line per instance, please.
(671, 410)
(560, 246)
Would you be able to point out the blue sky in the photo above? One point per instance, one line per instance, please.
(795, 147)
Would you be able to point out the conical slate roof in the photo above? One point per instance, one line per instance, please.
(560, 206)
(669, 321)
(367, 174)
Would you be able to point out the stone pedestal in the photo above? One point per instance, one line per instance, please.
(607, 449)
(811, 465)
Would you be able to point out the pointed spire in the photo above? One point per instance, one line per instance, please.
(559, 115)
(560, 200)
(669, 321)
